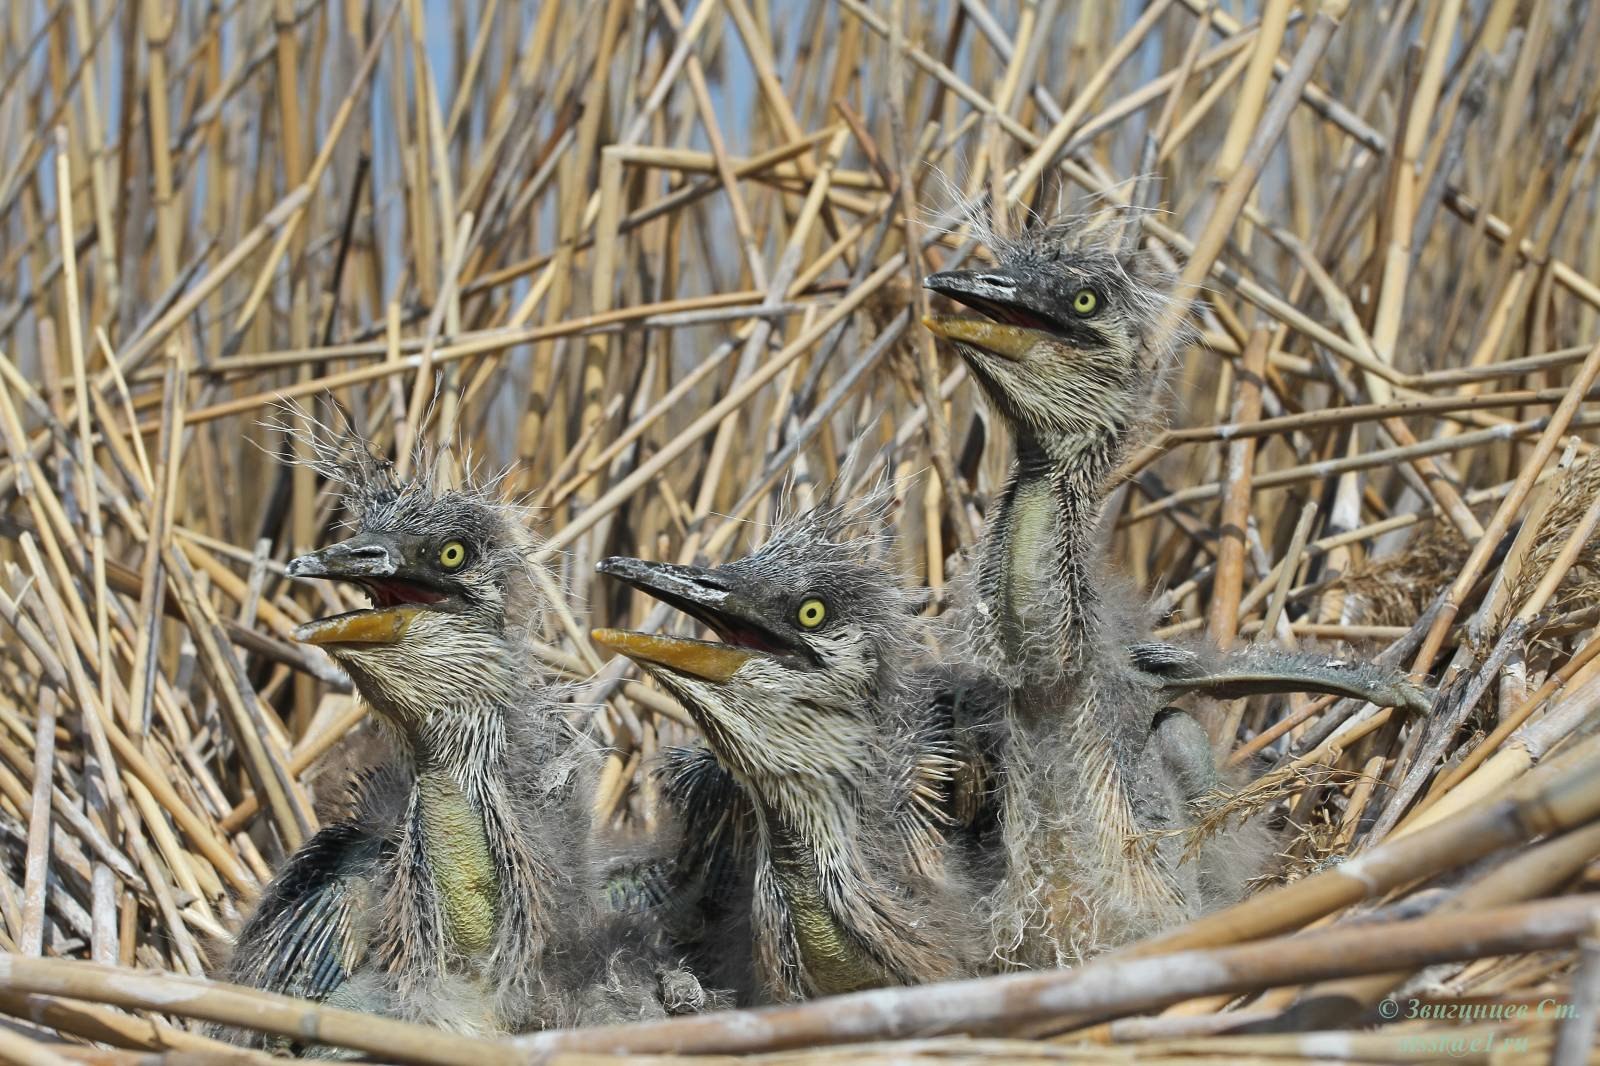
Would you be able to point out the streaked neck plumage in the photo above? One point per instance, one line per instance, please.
(811, 852)
(1041, 606)
(836, 907)
(473, 876)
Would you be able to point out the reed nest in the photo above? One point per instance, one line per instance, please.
(661, 262)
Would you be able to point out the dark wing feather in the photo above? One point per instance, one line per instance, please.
(302, 939)
(718, 825)
(1169, 662)
(961, 743)
(714, 830)
(698, 897)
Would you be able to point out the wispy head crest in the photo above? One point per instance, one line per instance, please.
(370, 484)
(847, 522)
(472, 505)
(1096, 222)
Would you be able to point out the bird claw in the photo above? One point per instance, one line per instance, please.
(682, 993)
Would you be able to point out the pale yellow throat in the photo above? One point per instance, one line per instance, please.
(463, 867)
(832, 962)
(1027, 558)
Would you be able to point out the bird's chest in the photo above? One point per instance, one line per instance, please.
(460, 862)
(833, 962)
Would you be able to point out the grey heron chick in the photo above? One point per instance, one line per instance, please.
(828, 798)
(1099, 775)
(457, 890)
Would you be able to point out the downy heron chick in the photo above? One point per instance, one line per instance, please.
(1099, 776)
(457, 889)
(830, 803)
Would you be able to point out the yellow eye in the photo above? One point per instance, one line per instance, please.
(453, 555)
(811, 613)
(1085, 301)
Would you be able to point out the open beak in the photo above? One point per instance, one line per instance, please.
(1008, 342)
(375, 563)
(712, 599)
(1010, 327)
(384, 626)
(704, 659)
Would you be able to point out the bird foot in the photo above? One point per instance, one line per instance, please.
(682, 993)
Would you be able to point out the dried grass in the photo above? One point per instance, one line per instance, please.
(658, 259)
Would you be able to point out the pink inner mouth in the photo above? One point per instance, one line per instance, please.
(744, 637)
(1005, 313)
(386, 593)
(729, 632)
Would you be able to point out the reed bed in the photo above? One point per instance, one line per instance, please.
(662, 262)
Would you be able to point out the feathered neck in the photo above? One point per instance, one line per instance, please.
(1040, 605)
(463, 743)
(850, 905)
(844, 777)
(435, 703)
(844, 915)
(476, 881)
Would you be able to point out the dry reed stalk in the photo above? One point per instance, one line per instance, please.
(1095, 992)
(665, 256)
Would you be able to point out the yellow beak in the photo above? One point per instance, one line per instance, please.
(997, 338)
(362, 627)
(696, 658)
